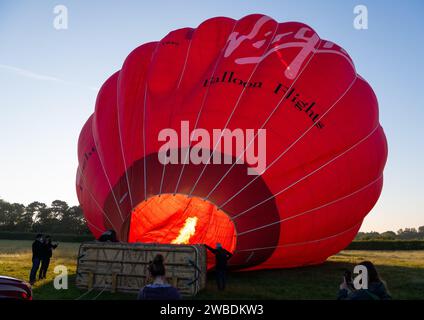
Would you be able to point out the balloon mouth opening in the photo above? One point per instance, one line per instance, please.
(179, 219)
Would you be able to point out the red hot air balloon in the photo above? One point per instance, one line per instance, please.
(251, 133)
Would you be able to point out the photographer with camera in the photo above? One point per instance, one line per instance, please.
(47, 253)
(376, 289)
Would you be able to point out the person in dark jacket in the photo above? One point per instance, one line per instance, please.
(376, 288)
(221, 258)
(47, 253)
(37, 255)
(159, 289)
(108, 235)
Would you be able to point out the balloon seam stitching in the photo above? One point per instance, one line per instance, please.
(92, 197)
(291, 145)
(311, 173)
(107, 178)
(175, 91)
(200, 110)
(316, 208)
(236, 105)
(123, 154)
(304, 242)
(281, 101)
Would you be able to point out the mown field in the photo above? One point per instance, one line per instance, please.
(403, 272)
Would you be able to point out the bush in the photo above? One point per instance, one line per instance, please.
(386, 245)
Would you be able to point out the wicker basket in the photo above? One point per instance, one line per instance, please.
(123, 267)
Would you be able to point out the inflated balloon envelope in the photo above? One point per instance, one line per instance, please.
(324, 155)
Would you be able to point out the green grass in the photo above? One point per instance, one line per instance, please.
(403, 272)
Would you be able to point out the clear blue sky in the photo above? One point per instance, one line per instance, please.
(49, 78)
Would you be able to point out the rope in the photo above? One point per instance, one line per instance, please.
(173, 96)
(309, 174)
(263, 125)
(313, 209)
(84, 294)
(233, 111)
(98, 295)
(289, 147)
(205, 96)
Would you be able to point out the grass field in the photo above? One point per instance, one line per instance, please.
(403, 272)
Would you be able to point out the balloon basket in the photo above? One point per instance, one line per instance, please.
(123, 267)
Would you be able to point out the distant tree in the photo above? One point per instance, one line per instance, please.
(75, 218)
(407, 234)
(4, 213)
(38, 211)
(61, 218)
(401, 234)
(360, 235)
(10, 215)
(58, 209)
(25, 221)
(371, 235)
(55, 218)
(18, 212)
(388, 235)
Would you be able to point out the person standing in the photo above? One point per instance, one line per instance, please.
(221, 258)
(47, 253)
(37, 254)
(108, 235)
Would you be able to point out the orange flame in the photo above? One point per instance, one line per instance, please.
(187, 231)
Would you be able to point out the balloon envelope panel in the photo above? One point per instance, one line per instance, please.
(293, 190)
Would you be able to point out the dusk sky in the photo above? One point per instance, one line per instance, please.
(49, 80)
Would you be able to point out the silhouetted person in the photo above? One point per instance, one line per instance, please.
(221, 258)
(47, 253)
(376, 288)
(109, 235)
(159, 289)
(37, 255)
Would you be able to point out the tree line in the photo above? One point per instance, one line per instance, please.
(59, 217)
(401, 234)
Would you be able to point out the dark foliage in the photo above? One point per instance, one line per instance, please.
(401, 234)
(38, 217)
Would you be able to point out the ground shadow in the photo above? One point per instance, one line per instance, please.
(311, 282)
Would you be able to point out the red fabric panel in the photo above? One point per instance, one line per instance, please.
(106, 135)
(95, 183)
